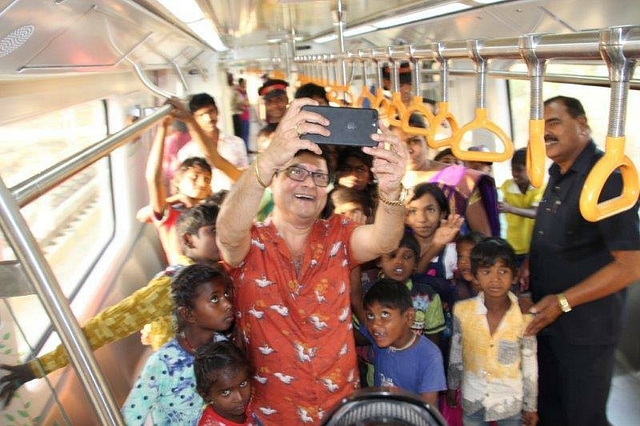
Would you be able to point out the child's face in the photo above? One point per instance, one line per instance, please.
(417, 147)
(464, 260)
(423, 216)
(519, 173)
(230, 393)
(354, 173)
(389, 326)
(495, 280)
(195, 183)
(202, 246)
(399, 264)
(213, 306)
(353, 211)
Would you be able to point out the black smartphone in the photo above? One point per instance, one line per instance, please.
(349, 126)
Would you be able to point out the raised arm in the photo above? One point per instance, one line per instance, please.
(389, 165)
(204, 142)
(153, 172)
(445, 234)
(241, 204)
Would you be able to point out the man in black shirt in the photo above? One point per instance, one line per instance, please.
(578, 273)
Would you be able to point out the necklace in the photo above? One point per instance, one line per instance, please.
(187, 343)
(407, 346)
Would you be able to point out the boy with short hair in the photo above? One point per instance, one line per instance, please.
(400, 265)
(401, 357)
(491, 358)
(519, 204)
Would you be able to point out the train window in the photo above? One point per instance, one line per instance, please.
(74, 221)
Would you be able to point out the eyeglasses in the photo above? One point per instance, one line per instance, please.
(354, 169)
(300, 174)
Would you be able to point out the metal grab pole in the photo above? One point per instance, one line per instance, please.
(57, 307)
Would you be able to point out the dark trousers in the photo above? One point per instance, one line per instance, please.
(241, 129)
(574, 382)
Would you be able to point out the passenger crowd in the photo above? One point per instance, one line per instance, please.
(315, 270)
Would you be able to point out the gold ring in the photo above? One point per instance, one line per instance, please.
(297, 128)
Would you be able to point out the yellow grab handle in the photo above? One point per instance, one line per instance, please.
(481, 121)
(366, 94)
(612, 159)
(416, 107)
(441, 116)
(335, 94)
(395, 109)
(536, 153)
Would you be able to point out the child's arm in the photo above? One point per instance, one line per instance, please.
(153, 172)
(505, 207)
(445, 234)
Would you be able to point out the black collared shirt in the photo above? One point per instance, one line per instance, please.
(566, 249)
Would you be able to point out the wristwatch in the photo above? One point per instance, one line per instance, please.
(563, 302)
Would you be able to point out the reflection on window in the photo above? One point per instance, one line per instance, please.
(73, 222)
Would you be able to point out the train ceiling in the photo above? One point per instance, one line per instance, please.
(49, 36)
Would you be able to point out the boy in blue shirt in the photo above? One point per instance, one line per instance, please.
(401, 357)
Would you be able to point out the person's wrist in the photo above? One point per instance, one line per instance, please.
(257, 172)
(563, 303)
(396, 198)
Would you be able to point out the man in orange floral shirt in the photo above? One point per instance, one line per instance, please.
(291, 272)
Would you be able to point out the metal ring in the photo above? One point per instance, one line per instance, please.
(297, 128)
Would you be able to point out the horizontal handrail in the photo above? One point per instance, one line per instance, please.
(32, 188)
(576, 46)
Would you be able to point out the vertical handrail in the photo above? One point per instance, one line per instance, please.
(416, 106)
(442, 110)
(365, 94)
(481, 120)
(57, 307)
(396, 107)
(536, 150)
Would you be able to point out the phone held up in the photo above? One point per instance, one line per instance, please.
(348, 126)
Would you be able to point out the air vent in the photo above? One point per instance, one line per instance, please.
(15, 39)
